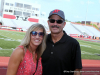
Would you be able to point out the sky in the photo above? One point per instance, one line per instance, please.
(75, 10)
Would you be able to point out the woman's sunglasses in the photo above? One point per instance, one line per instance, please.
(57, 21)
(34, 33)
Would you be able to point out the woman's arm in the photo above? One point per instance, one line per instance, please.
(14, 61)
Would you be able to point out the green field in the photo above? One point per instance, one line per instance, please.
(9, 40)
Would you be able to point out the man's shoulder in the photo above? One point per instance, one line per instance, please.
(71, 39)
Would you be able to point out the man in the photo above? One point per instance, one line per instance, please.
(62, 55)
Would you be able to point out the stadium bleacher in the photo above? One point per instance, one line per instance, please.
(93, 30)
(22, 24)
(7, 22)
(83, 30)
(71, 29)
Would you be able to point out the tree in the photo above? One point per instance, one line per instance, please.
(66, 20)
(78, 22)
(95, 26)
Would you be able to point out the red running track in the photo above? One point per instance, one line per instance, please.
(3, 65)
(90, 67)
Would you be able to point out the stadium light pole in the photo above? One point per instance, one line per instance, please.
(86, 12)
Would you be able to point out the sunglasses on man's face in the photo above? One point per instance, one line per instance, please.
(57, 21)
(34, 33)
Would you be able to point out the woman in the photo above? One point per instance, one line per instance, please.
(26, 58)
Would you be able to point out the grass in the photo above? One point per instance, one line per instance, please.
(89, 53)
(12, 34)
(6, 53)
(7, 43)
(9, 40)
(90, 50)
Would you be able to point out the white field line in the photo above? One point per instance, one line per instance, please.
(12, 34)
(6, 49)
(1, 38)
(83, 52)
(85, 45)
(17, 34)
(4, 52)
(89, 46)
(10, 39)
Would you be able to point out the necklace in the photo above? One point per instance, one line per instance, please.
(33, 54)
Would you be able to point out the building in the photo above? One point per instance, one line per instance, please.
(20, 10)
(21, 14)
(90, 22)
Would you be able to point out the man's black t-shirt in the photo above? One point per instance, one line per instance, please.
(62, 57)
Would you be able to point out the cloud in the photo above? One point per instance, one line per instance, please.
(77, 16)
(97, 15)
(63, 0)
(90, 2)
(67, 0)
(82, 2)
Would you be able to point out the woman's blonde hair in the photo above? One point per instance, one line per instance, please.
(26, 40)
